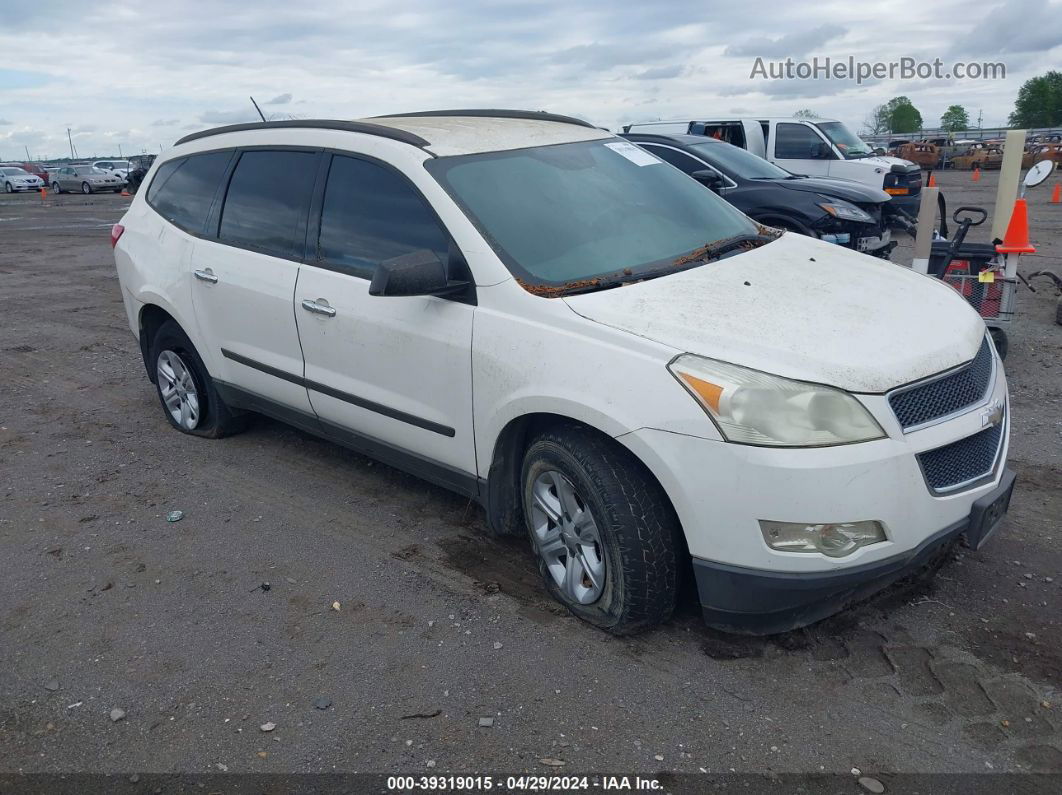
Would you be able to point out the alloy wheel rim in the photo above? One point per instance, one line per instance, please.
(567, 538)
(177, 387)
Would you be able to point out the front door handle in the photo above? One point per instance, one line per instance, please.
(318, 307)
(206, 275)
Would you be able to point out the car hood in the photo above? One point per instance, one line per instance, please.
(803, 309)
(886, 161)
(846, 189)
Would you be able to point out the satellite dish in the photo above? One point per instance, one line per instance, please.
(1038, 173)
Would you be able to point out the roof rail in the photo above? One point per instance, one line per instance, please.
(316, 124)
(494, 113)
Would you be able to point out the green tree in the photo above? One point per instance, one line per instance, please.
(806, 113)
(1039, 102)
(955, 118)
(902, 116)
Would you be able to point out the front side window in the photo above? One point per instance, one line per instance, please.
(799, 142)
(267, 201)
(681, 161)
(564, 214)
(183, 195)
(371, 214)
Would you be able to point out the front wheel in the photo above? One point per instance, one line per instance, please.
(186, 390)
(8, 188)
(57, 188)
(603, 530)
(86, 188)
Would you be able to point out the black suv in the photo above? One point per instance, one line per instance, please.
(835, 210)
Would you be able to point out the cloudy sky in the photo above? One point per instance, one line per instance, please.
(141, 74)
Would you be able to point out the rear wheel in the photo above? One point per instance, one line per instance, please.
(603, 531)
(186, 390)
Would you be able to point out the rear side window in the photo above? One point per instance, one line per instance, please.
(266, 204)
(183, 194)
(371, 214)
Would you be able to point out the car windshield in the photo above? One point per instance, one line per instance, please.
(564, 216)
(851, 146)
(15, 172)
(739, 163)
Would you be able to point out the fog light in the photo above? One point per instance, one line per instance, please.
(832, 540)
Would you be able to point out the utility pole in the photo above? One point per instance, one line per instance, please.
(70, 141)
(28, 158)
(120, 152)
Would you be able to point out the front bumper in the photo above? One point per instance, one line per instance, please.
(751, 601)
(20, 188)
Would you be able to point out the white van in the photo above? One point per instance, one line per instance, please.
(522, 308)
(815, 147)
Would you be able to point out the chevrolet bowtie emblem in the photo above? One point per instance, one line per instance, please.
(993, 415)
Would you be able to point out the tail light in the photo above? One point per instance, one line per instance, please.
(116, 232)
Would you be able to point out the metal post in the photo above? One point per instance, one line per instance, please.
(1009, 172)
(927, 216)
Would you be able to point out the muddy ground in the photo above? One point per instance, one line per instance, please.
(104, 604)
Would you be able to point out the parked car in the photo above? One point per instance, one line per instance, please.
(36, 169)
(979, 156)
(611, 359)
(922, 153)
(84, 179)
(818, 148)
(839, 211)
(120, 168)
(16, 179)
(1034, 154)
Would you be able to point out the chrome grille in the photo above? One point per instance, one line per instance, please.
(917, 405)
(962, 463)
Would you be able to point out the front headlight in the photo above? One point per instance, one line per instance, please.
(752, 407)
(846, 212)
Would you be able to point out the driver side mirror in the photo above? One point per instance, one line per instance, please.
(710, 179)
(420, 272)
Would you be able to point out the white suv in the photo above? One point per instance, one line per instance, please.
(540, 315)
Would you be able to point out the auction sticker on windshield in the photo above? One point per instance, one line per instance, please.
(635, 154)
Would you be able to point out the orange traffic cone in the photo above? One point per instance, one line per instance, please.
(976, 174)
(1056, 196)
(44, 194)
(932, 181)
(126, 193)
(1016, 240)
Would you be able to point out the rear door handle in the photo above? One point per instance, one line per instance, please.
(318, 307)
(206, 275)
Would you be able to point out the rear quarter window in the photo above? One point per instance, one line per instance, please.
(183, 190)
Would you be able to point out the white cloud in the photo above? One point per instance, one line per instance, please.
(195, 62)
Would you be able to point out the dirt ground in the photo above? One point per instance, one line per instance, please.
(104, 604)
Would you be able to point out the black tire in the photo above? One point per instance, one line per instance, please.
(637, 525)
(999, 337)
(57, 188)
(1058, 312)
(215, 418)
(86, 188)
(8, 187)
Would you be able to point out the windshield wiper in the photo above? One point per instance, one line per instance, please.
(721, 248)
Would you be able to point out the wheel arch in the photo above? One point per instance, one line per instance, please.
(151, 318)
(502, 501)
